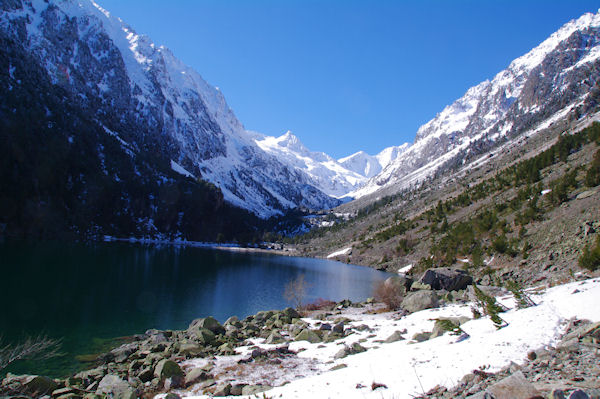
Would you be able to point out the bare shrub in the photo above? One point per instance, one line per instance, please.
(295, 291)
(390, 293)
(39, 348)
(320, 304)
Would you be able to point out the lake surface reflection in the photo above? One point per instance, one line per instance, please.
(87, 294)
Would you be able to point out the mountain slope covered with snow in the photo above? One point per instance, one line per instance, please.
(141, 94)
(334, 177)
(558, 76)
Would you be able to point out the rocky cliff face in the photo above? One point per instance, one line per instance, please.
(559, 76)
(147, 99)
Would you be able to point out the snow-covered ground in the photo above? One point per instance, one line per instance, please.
(409, 369)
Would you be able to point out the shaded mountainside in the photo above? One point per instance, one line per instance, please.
(148, 100)
(63, 175)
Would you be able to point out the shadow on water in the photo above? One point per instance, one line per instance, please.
(88, 294)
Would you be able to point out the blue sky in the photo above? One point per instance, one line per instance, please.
(346, 75)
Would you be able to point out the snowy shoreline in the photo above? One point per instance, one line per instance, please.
(408, 368)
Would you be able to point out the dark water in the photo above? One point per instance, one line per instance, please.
(88, 294)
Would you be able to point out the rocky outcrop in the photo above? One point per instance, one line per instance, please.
(444, 278)
(569, 370)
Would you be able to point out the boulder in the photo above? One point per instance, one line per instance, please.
(396, 336)
(254, 389)
(274, 338)
(232, 321)
(308, 335)
(237, 389)
(196, 375)
(111, 385)
(189, 349)
(166, 369)
(514, 386)
(291, 313)
(204, 335)
(338, 328)
(349, 350)
(419, 300)
(444, 278)
(401, 281)
(122, 353)
(209, 323)
(222, 390)
(40, 385)
(422, 336)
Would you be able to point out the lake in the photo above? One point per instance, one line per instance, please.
(89, 294)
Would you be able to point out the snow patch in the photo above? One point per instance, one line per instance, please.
(341, 252)
(181, 170)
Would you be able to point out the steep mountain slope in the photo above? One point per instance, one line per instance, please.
(144, 97)
(559, 75)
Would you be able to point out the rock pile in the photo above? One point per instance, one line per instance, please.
(149, 364)
(570, 370)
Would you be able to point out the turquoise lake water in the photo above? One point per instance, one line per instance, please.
(89, 294)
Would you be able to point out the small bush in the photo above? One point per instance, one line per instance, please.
(389, 293)
(523, 300)
(295, 291)
(490, 307)
(590, 258)
(320, 304)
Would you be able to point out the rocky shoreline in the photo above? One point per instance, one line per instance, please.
(150, 364)
(251, 355)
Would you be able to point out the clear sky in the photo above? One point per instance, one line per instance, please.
(346, 75)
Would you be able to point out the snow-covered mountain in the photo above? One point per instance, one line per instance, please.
(145, 97)
(370, 165)
(327, 174)
(557, 77)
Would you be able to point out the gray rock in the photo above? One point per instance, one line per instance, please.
(402, 283)
(291, 313)
(578, 394)
(422, 336)
(420, 300)
(122, 353)
(166, 369)
(514, 386)
(222, 390)
(308, 335)
(338, 328)
(254, 389)
(275, 338)
(196, 375)
(237, 389)
(444, 278)
(396, 336)
(204, 335)
(232, 321)
(146, 374)
(209, 323)
(172, 395)
(189, 349)
(39, 385)
(112, 385)
(557, 394)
